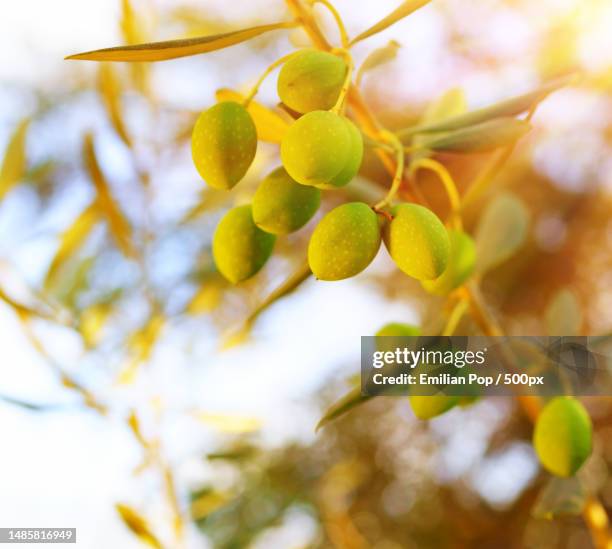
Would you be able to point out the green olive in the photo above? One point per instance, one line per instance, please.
(563, 436)
(430, 406)
(461, 263)
(282, 206)
(223, 144)
(417, 241)
(311, 80)
(344, 242)
(240, 248)
(317, 148)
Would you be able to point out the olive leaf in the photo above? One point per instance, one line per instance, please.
(271, 126)
(110, 90)
(119, 226)
(349, 401)
(404, 10)
(560, 497)
(207, 501)
(173, 49)
(241, 334)
(484, 137)
(72, 239)
(130, 26)
(138, 525)
(14, 164)
(140, 346)
(451, 103)
(378, 57)
(501, 231)
(509, 107)
(92, 321)
(208, 296)
(563, 314)
(24, 312)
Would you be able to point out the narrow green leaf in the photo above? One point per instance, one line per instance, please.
(509, 107)
(563, 314)
(404, 10)
(484, 137)
(502, 230)
(14, 163)
(172, 49)
(349, 401)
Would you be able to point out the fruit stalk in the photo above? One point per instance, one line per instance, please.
(449, 185)
(362, 113)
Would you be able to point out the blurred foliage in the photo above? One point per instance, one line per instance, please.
(131, 265)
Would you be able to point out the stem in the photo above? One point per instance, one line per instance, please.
(338, 108)
(362, 113)
(344, 39)
(449, 185)
(265, 74)
(385, 214)
(375, 144)
(399, 170)
(455, 317)
(304, 18)
(594, 513)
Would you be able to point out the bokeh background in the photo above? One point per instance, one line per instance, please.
(117, 385)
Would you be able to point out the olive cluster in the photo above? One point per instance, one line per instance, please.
(321, 150)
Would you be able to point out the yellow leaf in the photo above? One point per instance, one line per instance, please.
(14, 163)
(111, 94)
(271, 126)
(172, 49)
(140, 346)
(229, 424)
(72, 239)
(207, 298)
(119, 226)
(138, 525)
(92, 321)
(207, 503)
(378, 57)
(134, 426)
(132, 31)
(24, 312)
(404, 10)
(484, 137)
